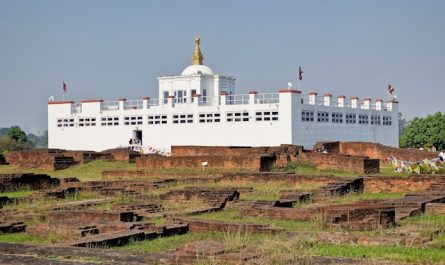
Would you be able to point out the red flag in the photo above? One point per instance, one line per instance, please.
(390, 89)
(64, 87)
(300, 73)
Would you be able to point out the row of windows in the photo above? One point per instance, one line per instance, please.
(266, 115)
(348, 118)
(242, 116)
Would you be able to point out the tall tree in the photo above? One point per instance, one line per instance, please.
(16, 134)
(425, 132)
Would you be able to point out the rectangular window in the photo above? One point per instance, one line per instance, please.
(375, 119)
(322, 116)
(133, 120)
(266, 116)
(65, 122)
(307, 115)
(87, 122)
(387, 120)
(337, 117)
(350, 118)
(182, 118)
(238, 116)
(209, 117)
(109, 121)
(363, 119)
(157, 119)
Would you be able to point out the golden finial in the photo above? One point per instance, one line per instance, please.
(197, 57)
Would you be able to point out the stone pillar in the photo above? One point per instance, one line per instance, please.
(327, 99)
(354, 102)
(290, 114)
(312, 98)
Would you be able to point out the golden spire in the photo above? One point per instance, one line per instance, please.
(197, 57)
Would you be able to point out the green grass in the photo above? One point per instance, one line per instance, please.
(89, 171)
(388, 253)
(355, 197)
(234, 215)
(17, 194)
(21, 238)
(304, 168)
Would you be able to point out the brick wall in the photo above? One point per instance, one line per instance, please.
(360, 165)
(376, 151)
(45, 159)
(214, 161)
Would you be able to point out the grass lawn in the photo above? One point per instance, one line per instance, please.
(89, 171)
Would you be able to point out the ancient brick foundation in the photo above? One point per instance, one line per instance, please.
(45, 159)
(360, 165)
(211, 161)
(374, 150)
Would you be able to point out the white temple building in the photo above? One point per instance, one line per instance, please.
(200, 107)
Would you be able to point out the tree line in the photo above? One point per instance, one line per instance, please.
(14, 138)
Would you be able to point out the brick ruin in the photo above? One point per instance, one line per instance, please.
(254, 159)
(2, 160)
(374, 151)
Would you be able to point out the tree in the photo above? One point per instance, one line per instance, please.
(16, 134)
(423, 132)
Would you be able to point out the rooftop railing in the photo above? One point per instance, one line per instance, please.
(133, 104)
(109, 105)
(76, 108)
(240, 99)
(267, 98)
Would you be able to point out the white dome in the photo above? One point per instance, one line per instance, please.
(197, 69)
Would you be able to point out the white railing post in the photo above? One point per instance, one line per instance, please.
(354, 102)
(196, 99)
(378, 104)
(327, 99)
(252, 97)
(312, 98)
(223, 95)
(121, 103)
(366, 103)
(341, 101)
(145, 101)
(170, 101)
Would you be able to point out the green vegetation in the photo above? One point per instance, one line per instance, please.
(17, 194)
(305, 168)
(355, 197)
(21, 238)
(89, 171)
(425, 132)
(389, 253)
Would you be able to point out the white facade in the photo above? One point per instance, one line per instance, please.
(199, 107)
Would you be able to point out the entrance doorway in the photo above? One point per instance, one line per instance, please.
(137, 137)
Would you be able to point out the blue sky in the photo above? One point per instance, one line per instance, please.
(111, 49)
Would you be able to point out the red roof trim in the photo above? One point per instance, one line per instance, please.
(289, 91)
(253, 92)
(145, 98)
(328, 95)
(367, 99)
(91, 100)
(196, 95)
(122, 99)
(354, 97)
(60, 102)
(313, 93)
(223, 93)
(341, 96)
(381, 100)
(171, 97)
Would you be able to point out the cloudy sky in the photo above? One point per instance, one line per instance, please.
(111, 49)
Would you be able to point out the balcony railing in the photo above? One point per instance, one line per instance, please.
(109, 105)
(133, 104)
